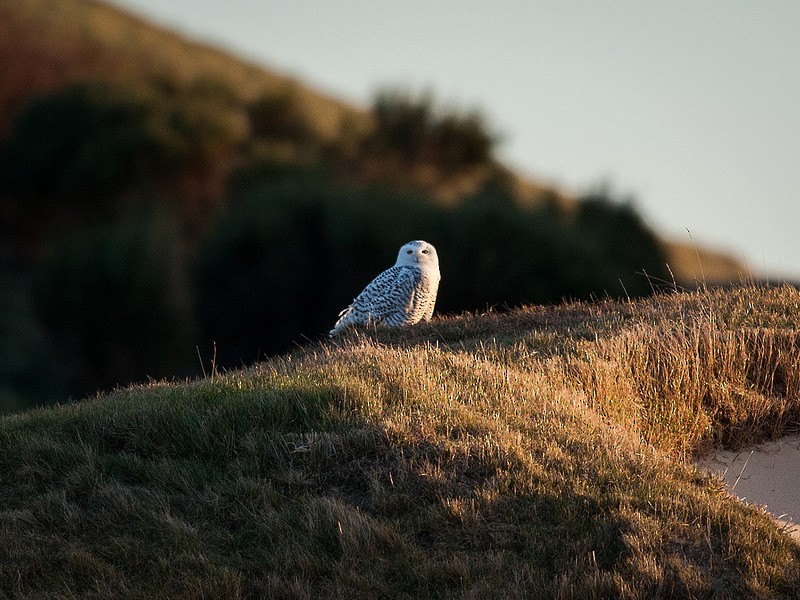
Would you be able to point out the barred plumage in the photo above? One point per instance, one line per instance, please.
(402, 295)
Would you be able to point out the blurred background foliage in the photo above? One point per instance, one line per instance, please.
(149, 228)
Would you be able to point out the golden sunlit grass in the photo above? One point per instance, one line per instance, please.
(538, 453)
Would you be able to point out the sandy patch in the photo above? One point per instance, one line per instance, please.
(767, 475)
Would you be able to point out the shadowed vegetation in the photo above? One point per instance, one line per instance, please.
(415, 128)
(294, 253)
(531, 454)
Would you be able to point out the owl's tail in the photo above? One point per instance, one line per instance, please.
(342, 322)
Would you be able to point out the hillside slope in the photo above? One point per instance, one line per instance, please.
(47, 44)
(539, 453)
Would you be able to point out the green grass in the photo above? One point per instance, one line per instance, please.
(539, 453)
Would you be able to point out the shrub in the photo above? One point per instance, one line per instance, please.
(279, 115)
(29, 375)
(115, 300)
(80, 145)
(84, 151)
(421, 132)
(291, 254)
(619, 236)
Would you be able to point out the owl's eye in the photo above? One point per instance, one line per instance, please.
(424, 251)
(409, 251)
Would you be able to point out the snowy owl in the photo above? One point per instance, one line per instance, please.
(402, 295)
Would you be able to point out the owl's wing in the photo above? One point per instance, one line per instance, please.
(389, 297)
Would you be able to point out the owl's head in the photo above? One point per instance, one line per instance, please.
(418, 253)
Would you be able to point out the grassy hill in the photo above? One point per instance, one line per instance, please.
(537, 453)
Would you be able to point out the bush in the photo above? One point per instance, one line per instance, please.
(80, 145)
(29, 373)
(618, 237)
(290, 255)
(506, 255)
(116, 303)
(421, 132)
(81, 153)
(281, 116)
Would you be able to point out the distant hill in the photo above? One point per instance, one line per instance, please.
(704, 266)
(46, 45)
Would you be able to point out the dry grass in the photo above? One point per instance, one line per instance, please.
(687, 371)
(533, 454)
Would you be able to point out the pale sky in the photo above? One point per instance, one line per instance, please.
(691, 107)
